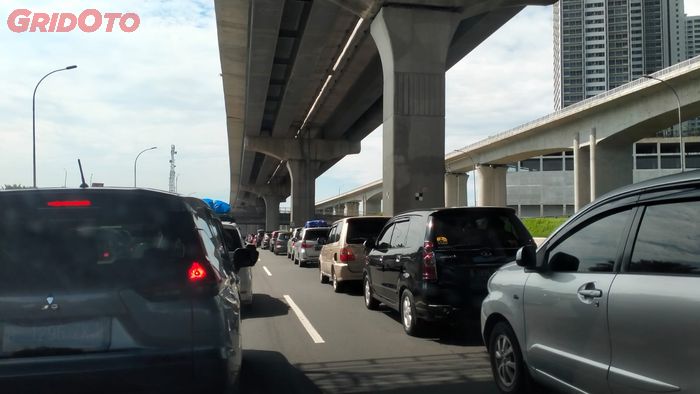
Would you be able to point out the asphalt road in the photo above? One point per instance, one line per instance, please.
(347, 348)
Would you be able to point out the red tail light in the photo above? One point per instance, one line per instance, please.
(196, 272)
(304, 245)
(346, 255)
(70, 203)
(429, 266)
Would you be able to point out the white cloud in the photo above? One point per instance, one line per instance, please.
(157, 86)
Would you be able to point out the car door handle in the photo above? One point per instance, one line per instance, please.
(590, 293)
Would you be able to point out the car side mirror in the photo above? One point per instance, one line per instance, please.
(527, 257)
(369, 244)
(244, 257)
(563, 262)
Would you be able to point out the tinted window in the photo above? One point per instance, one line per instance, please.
(416, 232)
(338, 231)
(312, 235)
(103, 245)
(398, 239)
(209, 241)
(592, 248)
(477, 228)
(331, 235)
(233, 239)
(360, 230)
(284, 237)
(668, 240)
(385, 238)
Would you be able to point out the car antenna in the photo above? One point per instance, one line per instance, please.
(82, 176)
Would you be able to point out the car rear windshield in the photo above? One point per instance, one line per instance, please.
(312, 235)
(283, 237)
(360, 230)
(109, 241)
(496, 229)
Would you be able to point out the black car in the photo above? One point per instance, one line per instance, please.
(434, 264)
(124, 290)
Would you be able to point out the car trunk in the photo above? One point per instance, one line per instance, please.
(92, 272)
(358, 231)
(469, 246)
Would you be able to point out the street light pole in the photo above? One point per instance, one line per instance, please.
(34, 119)
(474, 165)
(680, 122)
(137, 159)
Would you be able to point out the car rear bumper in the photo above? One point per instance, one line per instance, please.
(344, 274)
(115, 372)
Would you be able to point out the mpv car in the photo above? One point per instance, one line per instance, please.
(609, 302)
(434, 264)
(281, 242)
(291, 244)
(130, 287)
(342, 257)
(273, 239)
(307, 248)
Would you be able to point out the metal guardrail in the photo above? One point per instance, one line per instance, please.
(693, 63)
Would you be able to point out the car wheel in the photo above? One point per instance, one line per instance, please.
(322, 278)
(296, 261)
(302, 264)
(409, 317)
(337, 285)
(509, 369)
(371, 303)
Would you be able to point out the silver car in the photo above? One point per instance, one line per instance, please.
(307, 249)
(609, 303)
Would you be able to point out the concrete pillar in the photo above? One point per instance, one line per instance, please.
(413, 44)
(492, 185)
(582, 183)
(352, 208)
(592, 145)
(456, 189)
(303, 174)
(614, 166)
(373, 206)
(272, 211)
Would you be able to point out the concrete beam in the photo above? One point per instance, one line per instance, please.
(301, 148)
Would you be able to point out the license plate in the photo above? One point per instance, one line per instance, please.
(85, 335)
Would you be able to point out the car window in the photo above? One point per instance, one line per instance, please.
(233, 239)
(496, 229)
(593, 248)
(416, 231)
(210, 243)
(314, 234)
(338, 231)
(331, 235)
(360, 230)
(668, 241)
(398, 238)
(385, 238)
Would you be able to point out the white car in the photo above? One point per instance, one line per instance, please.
(245, 275)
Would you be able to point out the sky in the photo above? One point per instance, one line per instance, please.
(161, 85)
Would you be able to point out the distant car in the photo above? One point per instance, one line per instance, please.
(307, 248)
(232, 236)
(292, 243)
(265, 244)
(111, 285)
(609, 302)
(280, 246)
(273, 238)
(259, 235)
(342, 257)
(434, 264)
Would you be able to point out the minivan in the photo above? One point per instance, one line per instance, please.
(609, 302)
(307, 248)
(127, 286)
(433, 265)
(342, 257)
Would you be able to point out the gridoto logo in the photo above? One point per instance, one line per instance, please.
(89, 21)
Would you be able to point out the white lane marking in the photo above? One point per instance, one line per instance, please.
(304, 321)
(267, 271)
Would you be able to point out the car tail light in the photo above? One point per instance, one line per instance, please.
(69, 203)
(304, 245)
(346, 255)
(429, 266)
(196, 273)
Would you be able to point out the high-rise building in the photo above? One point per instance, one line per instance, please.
(602, 44)
(692, 42)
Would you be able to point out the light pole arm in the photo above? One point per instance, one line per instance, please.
(137, 159)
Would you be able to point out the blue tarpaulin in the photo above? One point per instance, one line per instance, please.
(217, 206)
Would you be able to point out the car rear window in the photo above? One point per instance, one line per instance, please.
(116, 241)
(284, 237)
(315, 234)
(360, 230)
(495, 229)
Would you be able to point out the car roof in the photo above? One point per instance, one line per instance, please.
(101, 191)
(431, 211)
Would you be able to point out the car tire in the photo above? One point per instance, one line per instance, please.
(409, 318)
(337, 285)
(509, 370)
(296, 262)
(371, 303)
(322, 278)
(302, 264)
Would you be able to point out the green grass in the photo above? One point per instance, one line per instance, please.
(542, 227)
